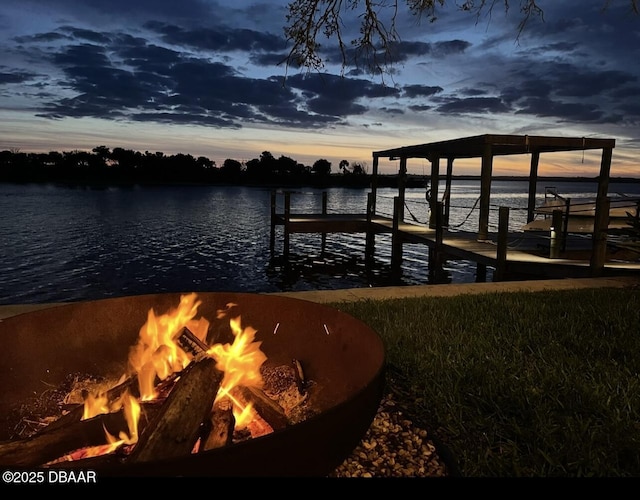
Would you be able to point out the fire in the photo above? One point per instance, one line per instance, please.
(131, 408)
(95, 405)
(158, 355)
(240, 362)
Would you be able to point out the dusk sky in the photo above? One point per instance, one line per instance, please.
(205, 78)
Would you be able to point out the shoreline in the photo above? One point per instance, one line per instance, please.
(409, 291)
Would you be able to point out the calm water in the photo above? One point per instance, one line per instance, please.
(67, 244)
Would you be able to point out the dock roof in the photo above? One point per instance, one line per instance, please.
(476, 146)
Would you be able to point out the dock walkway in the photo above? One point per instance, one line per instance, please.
(511, 254)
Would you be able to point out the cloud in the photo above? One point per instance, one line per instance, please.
(420, 90)
(473, 105)
(220, 65)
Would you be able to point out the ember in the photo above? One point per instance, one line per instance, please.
(194, 394)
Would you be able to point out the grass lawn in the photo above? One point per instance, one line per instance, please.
(519, 384)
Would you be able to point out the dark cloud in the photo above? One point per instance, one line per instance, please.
(420, 108)
(340, 88)
(570, 92)
(397, 52)
(268, 59)
(575, 112)
(338, 96)
(15, 76)
(220, 38)
(85, 34)
(41, 37)
(393, 111)
(451, 47)
(131, 78)
(473, 92)
(473, 105)
(101, 10)
(420, 90)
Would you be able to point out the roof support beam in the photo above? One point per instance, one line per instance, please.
(485, 192)
(533, 181)
(601, 220)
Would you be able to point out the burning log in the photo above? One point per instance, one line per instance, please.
(219, 427)
(191, 343)
(44, 447)
(267, 408)
(175, 431)
(75, 414)
(187, 340)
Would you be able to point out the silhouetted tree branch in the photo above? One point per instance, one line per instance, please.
(308, 21)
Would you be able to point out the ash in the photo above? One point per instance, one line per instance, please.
(38, 412)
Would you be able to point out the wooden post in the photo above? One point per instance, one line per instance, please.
(402, 186)
(481, 272)
(485, 192)
(555, 241)
(435, 176)
(272, 237)
(599, 243)
(374, 184)
(447, 191)
(565, 224)
(396, 244)
(533, 181)
(435, 254)
(287, 216)
(599, 253)
(324, 212)
(503, 233)
(371, 237)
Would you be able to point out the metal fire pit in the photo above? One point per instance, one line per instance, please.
(340, 354)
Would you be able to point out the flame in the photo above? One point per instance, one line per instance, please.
(99, 404)
(95, 404)
(157, 353)
(131, 408)
(240, 362)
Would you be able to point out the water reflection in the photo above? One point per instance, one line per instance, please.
(65, 244)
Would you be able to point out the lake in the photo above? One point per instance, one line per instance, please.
(63, 244)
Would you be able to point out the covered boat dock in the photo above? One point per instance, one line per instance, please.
(479, 246)
(486, 147)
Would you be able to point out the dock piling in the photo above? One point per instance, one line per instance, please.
(287, 221)
(503, 233)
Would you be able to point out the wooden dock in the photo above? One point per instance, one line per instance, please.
(511, 254)
(507, 251)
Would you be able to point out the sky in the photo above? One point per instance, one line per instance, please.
(207, 78)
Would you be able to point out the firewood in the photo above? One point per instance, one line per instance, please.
(175, 430)
(219, 426)
(75, 414)
(44, 447)
(301, 381)
(187, 340)
(190, 343)
(267, 408)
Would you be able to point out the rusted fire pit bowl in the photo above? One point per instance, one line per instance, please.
(340, 354)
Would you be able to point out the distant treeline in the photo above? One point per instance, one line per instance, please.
(125, 166)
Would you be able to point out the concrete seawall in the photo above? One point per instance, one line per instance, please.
(394, 292)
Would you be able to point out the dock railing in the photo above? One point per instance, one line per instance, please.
(508, 251)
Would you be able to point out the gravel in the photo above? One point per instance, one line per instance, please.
(394, 447)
